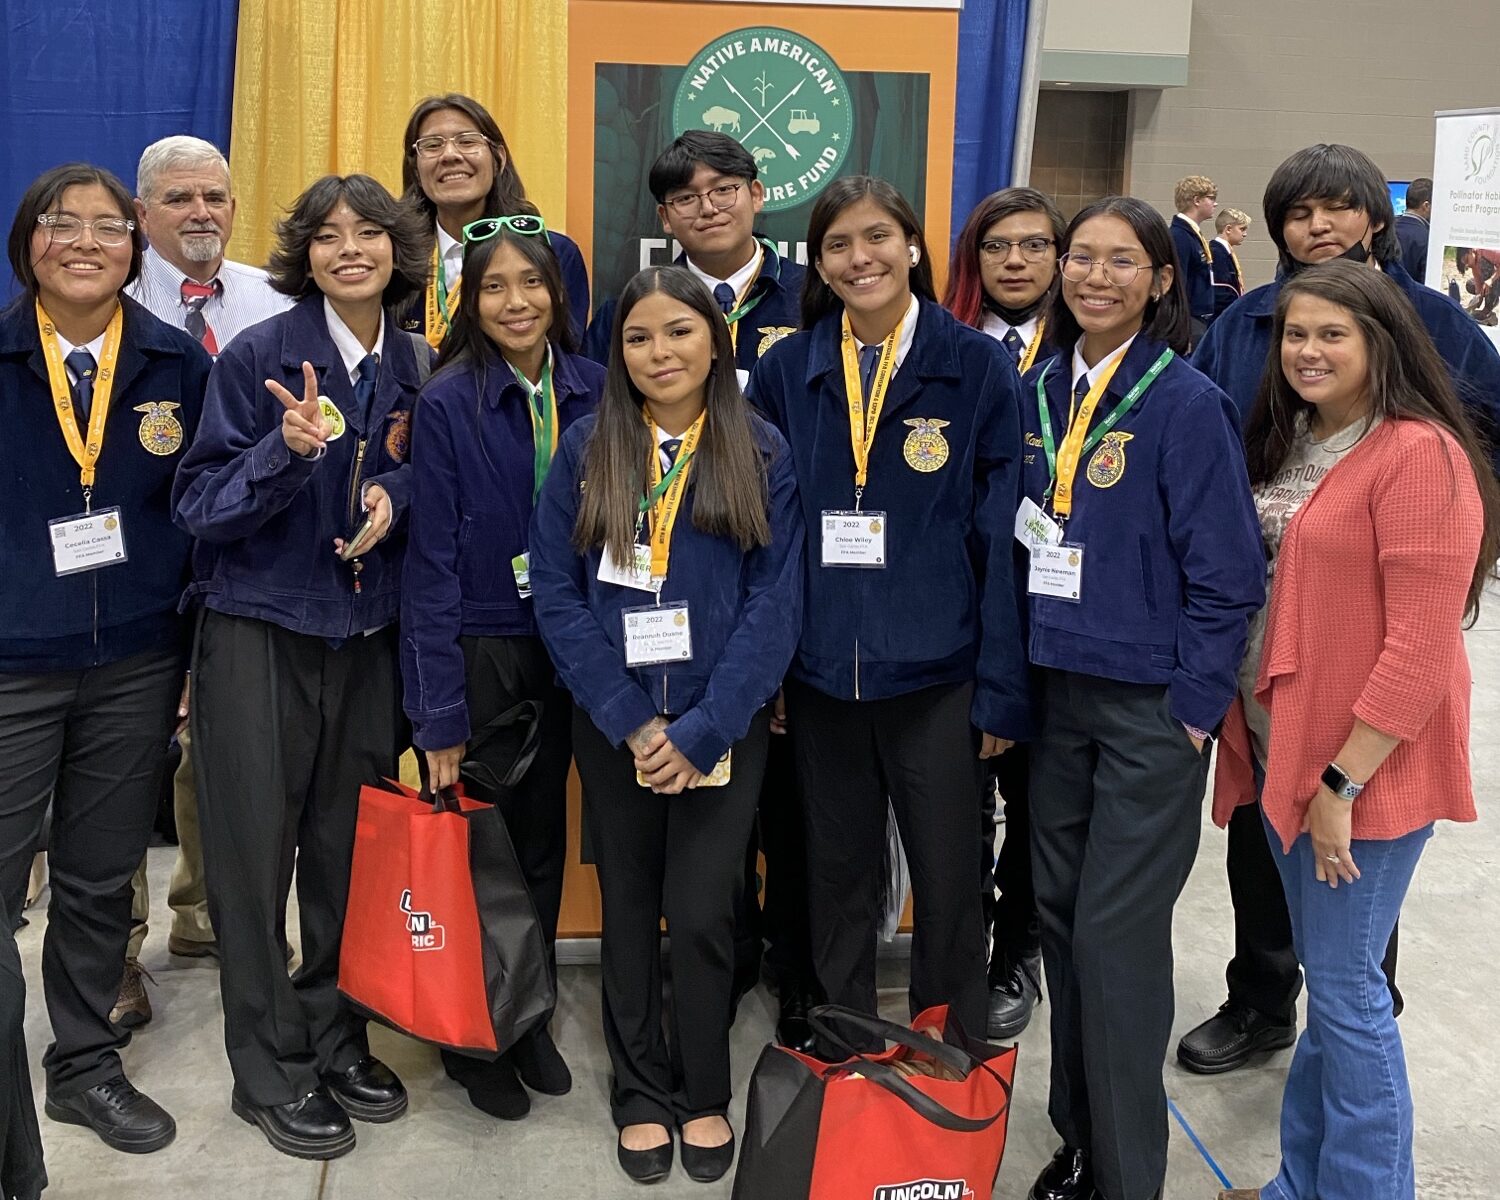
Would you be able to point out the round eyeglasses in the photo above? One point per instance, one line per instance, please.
(1033, 249)
(1118, 271)
(721, 197)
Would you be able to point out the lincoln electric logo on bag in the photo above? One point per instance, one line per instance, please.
(425, 933)
(925, 1189)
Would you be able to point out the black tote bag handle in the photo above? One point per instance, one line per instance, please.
(954, 1057)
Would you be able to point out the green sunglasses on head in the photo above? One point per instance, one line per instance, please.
(525, 224)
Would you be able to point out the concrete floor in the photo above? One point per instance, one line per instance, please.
(1450, 973)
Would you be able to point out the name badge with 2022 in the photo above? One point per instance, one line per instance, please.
(87, 541)
(854, 539)
(657, 633)
(1057, 571)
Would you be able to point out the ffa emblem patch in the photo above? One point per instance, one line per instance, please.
(771, 334)
(398, 437)
(926, 449)
(329, 411)
(1107, 465)
(161, 432)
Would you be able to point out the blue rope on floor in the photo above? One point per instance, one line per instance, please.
(1198, 1145)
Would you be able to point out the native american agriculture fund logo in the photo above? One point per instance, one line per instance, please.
(1479, 155)
(785, 100)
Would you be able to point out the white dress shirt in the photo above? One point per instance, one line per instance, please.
(908, 335)
(245, 296)
(350, 348)
(450, 257)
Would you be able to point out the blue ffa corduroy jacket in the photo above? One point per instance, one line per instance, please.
(49, 623)
(946, 608)
(1411, 233)
(412, 316)
(1227, 282)
(265, 517)
(1173, 565)
(777, 315)
(472, 475)
(745, 609)
(1235, 350)
(1197, 273)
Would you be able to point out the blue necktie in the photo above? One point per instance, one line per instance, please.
(869, 359)
(1080, 390)
(82, 364)
(364, 387)
(724, 294)
(1013, 342)
(670, 447)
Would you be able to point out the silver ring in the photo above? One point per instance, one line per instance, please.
(1330, 858)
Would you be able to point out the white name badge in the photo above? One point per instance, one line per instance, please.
(1034, 527)
(853, 539)
(657, 633)
(520, 567)
(636, 575)
(88, 541)
(744, 377)
(1057, 571)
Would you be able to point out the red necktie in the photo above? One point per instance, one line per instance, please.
(195, 296)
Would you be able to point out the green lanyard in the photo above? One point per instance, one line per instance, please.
(649, 500)
(541, 405)
(734, 316)
(1049, 443)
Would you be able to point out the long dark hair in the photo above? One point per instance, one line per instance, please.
(729, 471)
(966, 295)
(1329, 171)
(289, 267)
(1165, 320)
(44, 194)
(818, 299)
(1408, 380)
(507, 193)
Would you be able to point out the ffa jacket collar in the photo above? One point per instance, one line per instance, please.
(305, 337)
(769, 278)
(1262, 301)
(499, 379)
(933, 355)
(1137, 361)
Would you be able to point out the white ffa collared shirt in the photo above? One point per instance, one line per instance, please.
(908, 335)
(350, 349)
(997, 328)
(245, 296)
(450, 257)
(1081, 368)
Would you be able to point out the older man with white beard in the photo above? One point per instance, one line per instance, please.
(185, 206)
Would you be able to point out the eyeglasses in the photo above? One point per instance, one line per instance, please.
(1033, 249)
(721, 197)
(468, 143)
(1118, 271)
(107, 231)
(526, 224)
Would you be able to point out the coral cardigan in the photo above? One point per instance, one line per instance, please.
(1365, 621)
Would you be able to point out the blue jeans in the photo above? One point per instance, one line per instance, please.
(1346, 1117)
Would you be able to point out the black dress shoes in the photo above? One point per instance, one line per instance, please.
(1015, 991)
(1229, 1039)
(1069, 1176)
(705, 1164)
(493, 1087)
(369, 1091)
(792, 1029)
(124, 1118)
(646, 1166)
(541, 1066)
(315, 1126)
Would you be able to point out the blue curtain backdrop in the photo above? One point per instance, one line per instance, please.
(991, 46)
(99, 80)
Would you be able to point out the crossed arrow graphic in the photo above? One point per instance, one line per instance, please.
(766, 119)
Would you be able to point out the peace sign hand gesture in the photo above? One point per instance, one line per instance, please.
(303, 426)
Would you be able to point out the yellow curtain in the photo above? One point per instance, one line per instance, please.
(327, 85)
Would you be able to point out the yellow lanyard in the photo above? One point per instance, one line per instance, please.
(85, 455)
(442, 303)
(1238, 271)
(864, 415)
(669, 500)
(1029, 357)
(1071, 449)
(741, 309)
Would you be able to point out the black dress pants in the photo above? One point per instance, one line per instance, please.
(91, 741)
(286, 730)
(1015, 930)
(783, 841)
(1116, 792)
(920, 751)
(22, 1172)
(683, 858)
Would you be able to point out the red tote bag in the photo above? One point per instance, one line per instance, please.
(863, 1130)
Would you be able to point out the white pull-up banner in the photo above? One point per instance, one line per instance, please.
(1463, 255)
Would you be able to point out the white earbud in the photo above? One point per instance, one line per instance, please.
(916, 257)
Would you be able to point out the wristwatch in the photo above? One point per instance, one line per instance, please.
(1337, 781)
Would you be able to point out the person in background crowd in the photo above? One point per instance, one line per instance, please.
(1196, 199)
(296, 489)
(673, 634)
(1372, 489)
(906, 438)
(1229, 279)
(185, 206)
(1413, 227)
(1325, 202)
(456, 168)
(508, 387)
(1004, 269)
(1144, 573)
(101, 399)
(1483, 284)
(707, 198)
